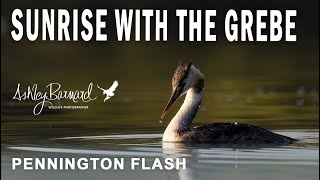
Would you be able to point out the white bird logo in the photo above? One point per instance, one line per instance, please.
(109, 92)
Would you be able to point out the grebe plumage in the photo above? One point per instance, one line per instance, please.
(188, 80)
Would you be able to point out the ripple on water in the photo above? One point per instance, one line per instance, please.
(303, 153)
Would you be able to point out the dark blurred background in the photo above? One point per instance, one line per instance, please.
(272, 84)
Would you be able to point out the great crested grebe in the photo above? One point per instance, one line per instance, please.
(187, 79)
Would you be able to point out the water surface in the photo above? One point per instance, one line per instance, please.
(204, 161)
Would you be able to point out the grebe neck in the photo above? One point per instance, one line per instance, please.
(184, 117)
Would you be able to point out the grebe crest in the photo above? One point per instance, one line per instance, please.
(186, 77)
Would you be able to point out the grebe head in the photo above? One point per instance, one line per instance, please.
(186, 76)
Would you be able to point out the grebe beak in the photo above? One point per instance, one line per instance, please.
(174, 96)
